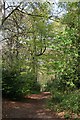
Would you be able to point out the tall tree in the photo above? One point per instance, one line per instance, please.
(26, 30)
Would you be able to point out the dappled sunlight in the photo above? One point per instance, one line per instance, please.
(39, 96)
(61, 114)
(33, 107)
(40, 59)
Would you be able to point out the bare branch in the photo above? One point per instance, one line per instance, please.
(30, 13)
(4, 19)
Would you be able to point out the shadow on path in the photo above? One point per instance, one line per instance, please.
(32, 107)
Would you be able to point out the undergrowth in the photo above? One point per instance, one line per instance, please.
(69, 102)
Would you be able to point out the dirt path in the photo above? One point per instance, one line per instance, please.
(32, 107)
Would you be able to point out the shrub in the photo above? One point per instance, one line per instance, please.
(17, 84)
(11, 84)
(71, 101)
(65, 101)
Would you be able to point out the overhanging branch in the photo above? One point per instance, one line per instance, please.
(5, 18)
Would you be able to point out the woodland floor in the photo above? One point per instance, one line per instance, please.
(32, 107)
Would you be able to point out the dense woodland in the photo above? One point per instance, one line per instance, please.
(41, 52)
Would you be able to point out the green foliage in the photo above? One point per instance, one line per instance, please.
(66, 116)
(30, 83)
(36, 44)
(71, 102)
(65, 88)
(62, 84)
(25, 36)
(48, 86)
(12, 84)
(65, 101)
(18, 84)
